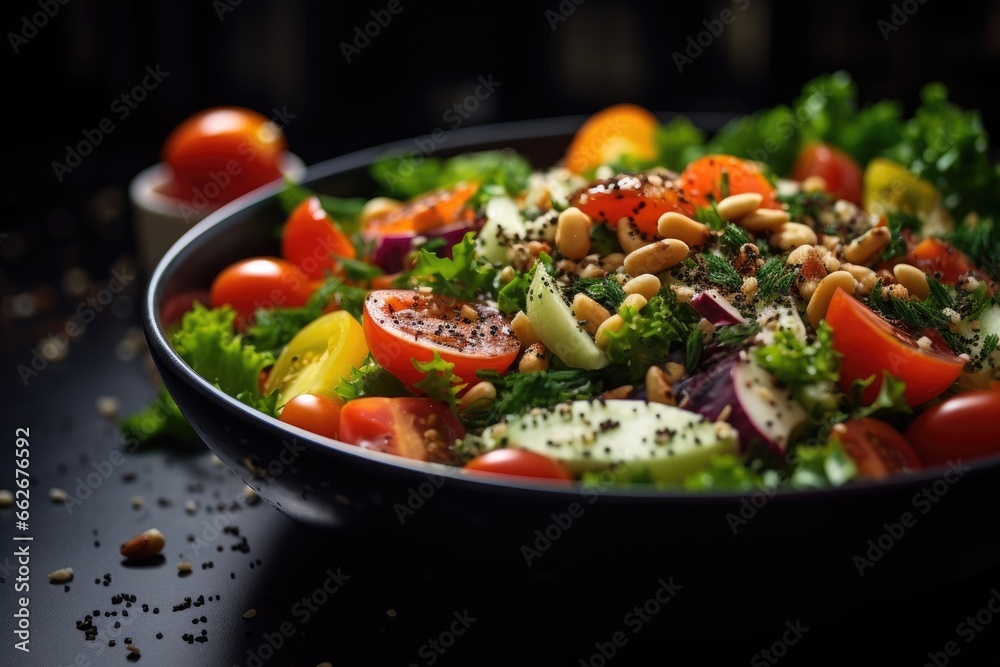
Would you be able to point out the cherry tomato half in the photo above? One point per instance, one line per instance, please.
(313, 412)
(312, 240)
(403, 325)
(961, 427)
(842, 174)
(417, 428)
(870, 345)
(935, 257)
(620, 130)
(877, 448)
(519, 462)
(632, 196)
(223, 153)
(261, 282)
(701, 181)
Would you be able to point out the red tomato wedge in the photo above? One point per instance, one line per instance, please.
(943, 260)
(261, 282)
(878, 450)
(312, 240)
(404, 325)
(961, 427)
(842, 174)
(620, 130)
(313, 412)
(870, 345)
(640, 198)
(425, 213)
(417, 428)
(519, 462)
(701, 181)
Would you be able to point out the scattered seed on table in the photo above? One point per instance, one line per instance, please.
(61, 575)
(108, 407)
(58, 495)
(249, 613)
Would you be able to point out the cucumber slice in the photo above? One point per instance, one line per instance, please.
(637, 440)
(556, 326)
(503, 223)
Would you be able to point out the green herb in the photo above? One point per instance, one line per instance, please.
(160, 419)
(496, 172)
(890, 399)
(358, 270)
(897, 223)
(733, 237)
(603, 240)
(678, 143)
(693, 346)
(810, 370)
(822, 466)
(734, 334)
(605, 291)
(773, 280)
(806, 207)
(709, 215)
(370, 380)
(724, 185)
(463, 276)
(720, 271)
(440, 381)
(649, 336)
(517, 393)
(208, 343)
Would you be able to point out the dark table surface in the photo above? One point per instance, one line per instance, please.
(317, 596)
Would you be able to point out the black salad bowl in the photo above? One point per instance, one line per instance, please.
(589, 555)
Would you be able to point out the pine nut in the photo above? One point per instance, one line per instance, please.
(573, 233)
(612, 324)
(658, 389)
(736, 206)
(379, 207)
(613, 261)
(749, 287)
(801, 255)
(764, 220)
(820, 301)
(470, 313)
(507, 274)
(479, 396)
(647, 285)
(144, 545)
(913, 279)
(185, 566)
(656, 257)
(830, 261)
(589, 311)
(792, 235)
(523, 329)
(814, 184)
(830, 242)
(636, 301)
(683, 293)
(673, 225)
(674, 371)
(866, 277)
(629, 236)
(61, 575)
(535, 358)
(592, 271)
(868, 247)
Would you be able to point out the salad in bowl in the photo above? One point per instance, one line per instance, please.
(802, 300)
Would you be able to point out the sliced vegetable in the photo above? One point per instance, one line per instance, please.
(714, 177)
(312, 240)
(716, 309)
(838, 170)
(639, 198)
(416, 428)
(637, 440)
(878, 450)
(318, 357)
(403, 326)
(556, 326)
(869, 345)
(889, 186)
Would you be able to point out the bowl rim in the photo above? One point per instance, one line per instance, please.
(468, 138)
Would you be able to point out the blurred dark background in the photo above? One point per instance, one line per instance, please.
(63, 73)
